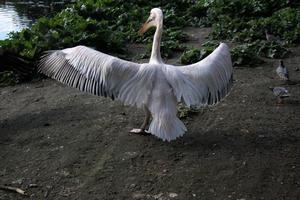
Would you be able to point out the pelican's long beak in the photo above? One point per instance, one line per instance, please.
(142, 29)
(145, 27)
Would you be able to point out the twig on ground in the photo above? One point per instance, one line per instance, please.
(13, 189)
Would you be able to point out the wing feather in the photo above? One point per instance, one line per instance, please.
(91, 71)
(211, 76)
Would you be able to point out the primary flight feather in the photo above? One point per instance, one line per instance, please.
(154, 86)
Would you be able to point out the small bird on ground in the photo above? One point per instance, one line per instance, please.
(281, 93)
(282, 71)
(272, 38)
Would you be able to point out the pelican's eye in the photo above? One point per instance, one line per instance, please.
(150, 19)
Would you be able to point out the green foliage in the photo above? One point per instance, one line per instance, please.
(207, 48)
(193, 55)
(190, 56)
(246, 21)
(285, 23)
(248, 54)
(245, 54)
(245, 9)
(66, 29)
(103, 24)
(8, 78)
(107, 24)
(184, 111)
(270, 49)
(242, 54)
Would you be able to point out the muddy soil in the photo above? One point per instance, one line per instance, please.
(59, 143)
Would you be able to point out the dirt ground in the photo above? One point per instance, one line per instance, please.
(59, 143)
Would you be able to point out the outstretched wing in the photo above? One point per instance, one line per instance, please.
(212, 76)
(91, 71)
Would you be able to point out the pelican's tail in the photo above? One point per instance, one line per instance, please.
(167, 127)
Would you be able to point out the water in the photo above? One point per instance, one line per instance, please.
(16, 14)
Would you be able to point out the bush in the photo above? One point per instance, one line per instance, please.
(246, 21)
(107, 24)
(8, 78)
(190, 56)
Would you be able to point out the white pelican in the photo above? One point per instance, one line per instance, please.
(155, 86)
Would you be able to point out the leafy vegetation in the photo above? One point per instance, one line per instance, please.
(184, 112)
(245, 23)
(193, 55)
(108, 24)
(8, 78)
(245, 54)
(190, 56)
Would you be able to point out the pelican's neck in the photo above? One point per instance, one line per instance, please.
(155, 53)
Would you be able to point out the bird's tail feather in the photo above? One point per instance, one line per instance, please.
(167, 126)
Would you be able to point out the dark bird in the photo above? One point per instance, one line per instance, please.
(272, 38)
(281, 93)
(282, 71)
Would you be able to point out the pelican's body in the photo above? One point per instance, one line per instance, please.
(154, 86)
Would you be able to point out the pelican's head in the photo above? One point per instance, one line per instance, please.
(155, 18)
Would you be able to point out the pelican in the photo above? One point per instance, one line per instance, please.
(155, 86)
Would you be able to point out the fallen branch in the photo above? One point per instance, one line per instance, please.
(13, 189)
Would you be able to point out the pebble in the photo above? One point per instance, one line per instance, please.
(138, 196)
(173, 195)
(32, 185)
(157, 196)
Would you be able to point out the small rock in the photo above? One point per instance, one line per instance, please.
(173, 195)
(138, 196)
(32, 185)
(18, 181)
(46, 193)
(244, 130)
(157, 196)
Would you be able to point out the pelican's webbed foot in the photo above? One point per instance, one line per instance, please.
(139, 131)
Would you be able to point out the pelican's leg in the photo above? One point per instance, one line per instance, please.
(142, 129)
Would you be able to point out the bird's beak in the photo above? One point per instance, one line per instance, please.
(144, 27)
